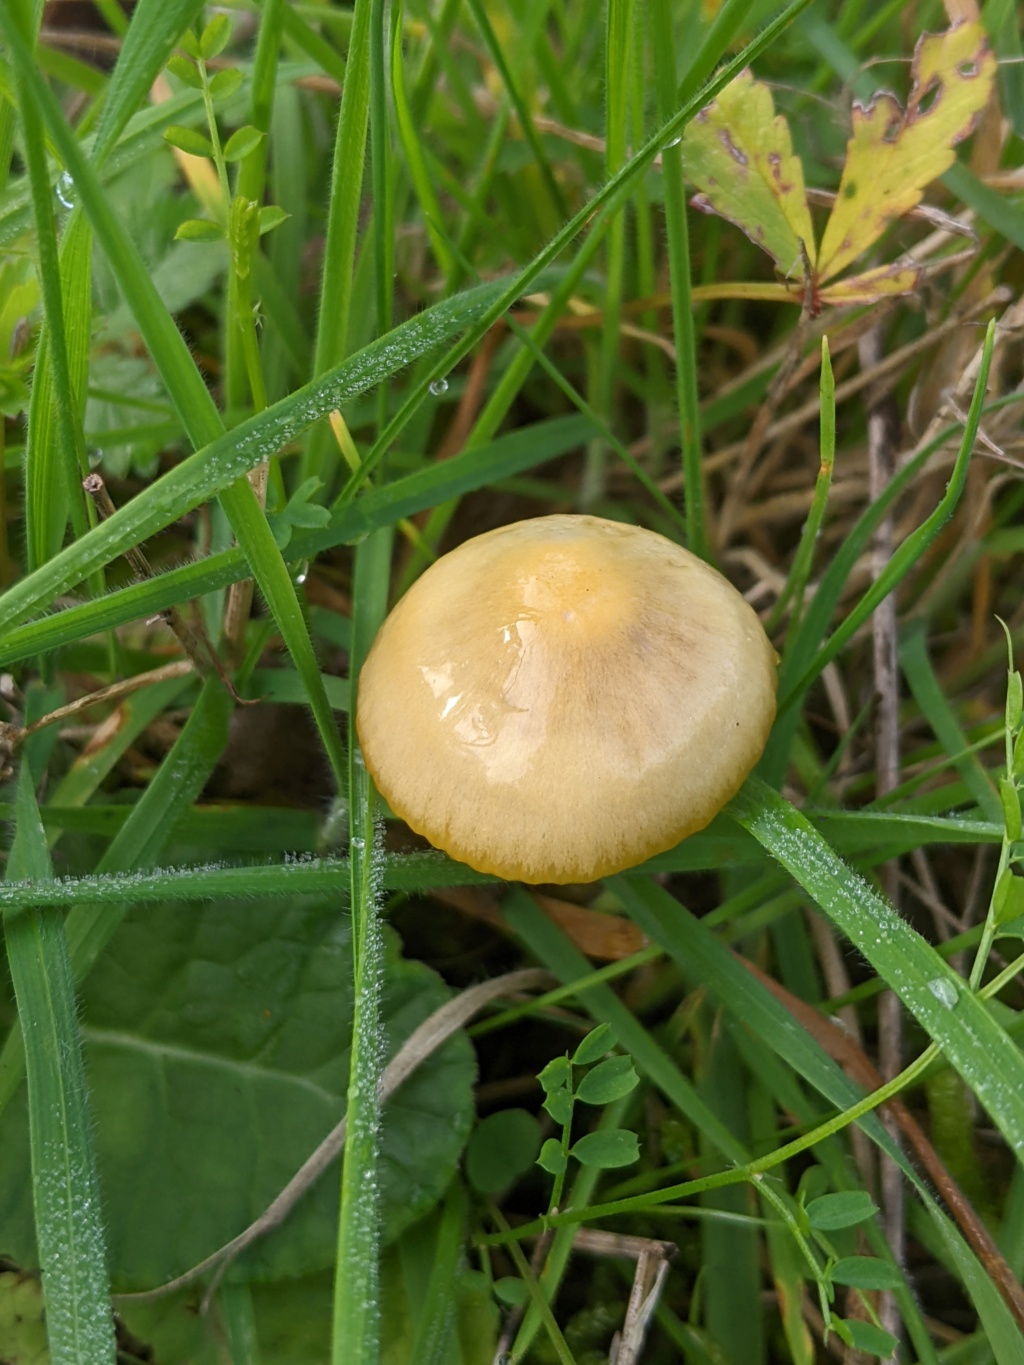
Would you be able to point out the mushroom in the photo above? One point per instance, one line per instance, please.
(561, 698)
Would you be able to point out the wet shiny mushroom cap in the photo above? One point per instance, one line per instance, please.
(562, 698)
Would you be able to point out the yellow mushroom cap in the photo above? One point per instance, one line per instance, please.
(562, 698)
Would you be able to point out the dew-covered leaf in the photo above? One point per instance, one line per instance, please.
(893, 154)
(217, 1044)
(739, 153)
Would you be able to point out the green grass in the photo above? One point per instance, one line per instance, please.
(488, 297)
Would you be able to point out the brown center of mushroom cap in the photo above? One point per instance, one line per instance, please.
(570, 591)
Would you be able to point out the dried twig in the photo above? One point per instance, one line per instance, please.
(193, 639)
(883, 442)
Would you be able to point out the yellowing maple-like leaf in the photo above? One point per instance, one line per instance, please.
(738, 150)
(893, 154)
(739, 153)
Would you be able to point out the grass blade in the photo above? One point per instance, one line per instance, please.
(914, 546)
(155, 27)
(506, 456)
(189, 394)
(677, 235)
(356, 1330)
(320, 457)
(941, 1001)
(215, 467)
(69, 1231)
(55, 444)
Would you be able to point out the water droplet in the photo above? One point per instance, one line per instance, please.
(438, 387)
(675, 141)
(944, 991)
(358, 843)
(65, 190)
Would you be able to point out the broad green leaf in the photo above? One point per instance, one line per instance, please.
(843, 1210)
(866, 1337)
(228, 1028)
(893, 154)
(188, 140)
(557, 1075)
(187, 72)
(272, 216)
(865, 1272)
(512, 1291)
(215, 37)
(608, 1148)
(609, 1080)
(225, 83)
(503, 1147)
(594, 1046)
(241, 142)
(552, 1158)
(559, 1105)
(1008, 901)
(1014, 700)
(199, 230)
(739, 153)
(1010, 798)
